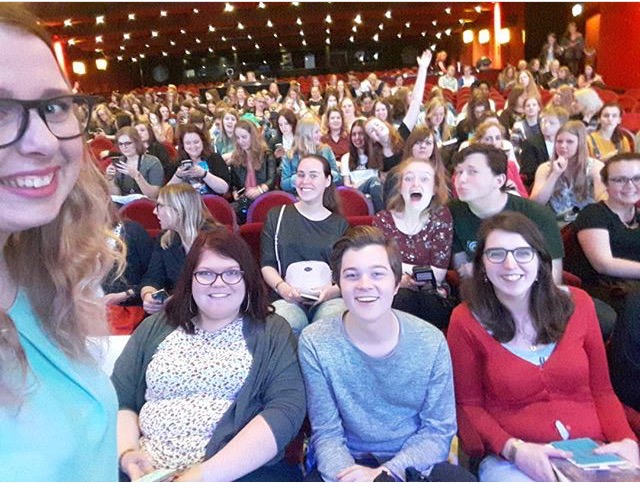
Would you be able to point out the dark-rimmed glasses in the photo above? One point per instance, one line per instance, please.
(229, 277)
(523, 254)
(622, 181)
(66, 116)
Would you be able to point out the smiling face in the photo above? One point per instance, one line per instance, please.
(367, 283)
(417, 185)
(219, 302)
(335, 121)
(381, 111)
(377, 130)
(627, 193)
(164, 112)
(38, 171)
(193, 145)
(566, 144)
(358, 137)
(311, 180)
(511, 280)
(229, 123)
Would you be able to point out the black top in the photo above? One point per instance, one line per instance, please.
(165, 265)
(533, 154)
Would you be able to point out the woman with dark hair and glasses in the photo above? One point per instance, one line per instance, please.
(135, 172)
(212, 387)
(609, 233)
(57, 408)
(529, 364)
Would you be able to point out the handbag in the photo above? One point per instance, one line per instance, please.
(309, 276)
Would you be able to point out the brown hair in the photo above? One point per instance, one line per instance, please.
(357, 238)
(629, 156)
(133, 135)
(330, 197)
(421, 133)
(192, 128)
(181, 308)
(549, 307)
(575, 176)
(257, 150)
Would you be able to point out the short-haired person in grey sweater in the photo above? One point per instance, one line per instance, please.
(379, 382)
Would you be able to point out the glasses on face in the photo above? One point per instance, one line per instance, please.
(66, 117)
(622, 181)
(229, 277)
(523, 254)
(125, 144)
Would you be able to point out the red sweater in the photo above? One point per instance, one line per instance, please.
(500, 395)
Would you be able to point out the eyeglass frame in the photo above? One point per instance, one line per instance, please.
(39, 104)
(221, 275)
(512, 251)
(622, 181)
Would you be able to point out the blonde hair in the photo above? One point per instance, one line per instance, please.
(303, 140)
(189, 211)
(444, 129)
(60, 265)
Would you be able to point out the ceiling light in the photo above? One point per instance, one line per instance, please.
(126, 36)
(164, 53)
(240, 26)
(448, 10)
(119, 58)
(147, 46)
(228, 7)
(328, 19)
(375, 37)
(211, 28)
(423, 33)
(304, 43)
(576, 10)
(269, 23)
(196, 11)
(388, 14)
(439, 35)
(484, 36)
(461, 21)
(98, 39)
(141, 56)
(100, 19)
(198, 41)
(328, 41)
(233, 48)
(399, 35)
(262, 5)
(134, 60)
(358, 19)
(433, 47)
(223, 39)
(478, 8)
(301, 32)
(280, 44)
(354, 28)
(132, 16)
(375, 56)
(381, 27)
(122, 48)
(275, 34)
(434, 23)
(257, 46)
(210, 49)
(173, 43)
(163, 13)
(408, 25)
(295, 4)
(328, 31)
(504, 36)
(71, 42)
(97, 50)
(154, 33)
(187, 52)
(68, 23)
(79, 68)
(299, 21)
(249, 37)
(448, 32)
(351, 39)
(182, 31)
(467, 36)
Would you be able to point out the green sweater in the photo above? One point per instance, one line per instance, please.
(274, 388)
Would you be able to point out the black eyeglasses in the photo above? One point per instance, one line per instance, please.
(229, 277)
(498, 255)
(622, 181)
(67, 116)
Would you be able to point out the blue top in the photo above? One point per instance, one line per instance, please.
(399, 408)
(65, 428)
(289, 167)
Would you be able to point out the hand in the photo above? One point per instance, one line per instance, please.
(193, 172)
(151, 305)
(627, 449)
(136, 464)
(192, 474)
(424, 60)
(127, 168)
(253, 193)
(115, 298)
(279, 152)
(407, 282)
(358, 473)
(559, 165)
(533, 460)
(328, 292)
(110, 172)
(289, 294)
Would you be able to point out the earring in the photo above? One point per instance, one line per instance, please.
(246, 309)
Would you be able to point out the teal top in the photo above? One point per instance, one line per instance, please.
(65, 428)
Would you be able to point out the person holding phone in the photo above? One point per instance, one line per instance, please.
(199, 166)
(135, 172)
(297, 239)
(418, 218)
(182, 215)
(57, 408)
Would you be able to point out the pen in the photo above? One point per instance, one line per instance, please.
(564, 433)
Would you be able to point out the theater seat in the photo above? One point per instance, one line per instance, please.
(259, 208)
(251, 233)
(221, 211)
(141, 211)
(354, 202)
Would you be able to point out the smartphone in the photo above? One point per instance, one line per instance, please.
(160, 295)
(311, 297)
(160, 475)
(186, 164)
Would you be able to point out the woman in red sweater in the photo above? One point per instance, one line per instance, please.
(528, 359)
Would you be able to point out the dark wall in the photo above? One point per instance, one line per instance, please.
(542, 18)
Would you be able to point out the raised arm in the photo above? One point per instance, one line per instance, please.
(547, 176)
(413, 111)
